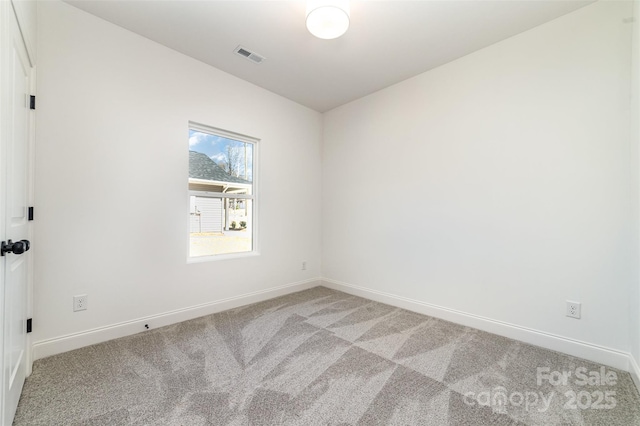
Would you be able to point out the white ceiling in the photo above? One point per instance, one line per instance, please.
(387, 42)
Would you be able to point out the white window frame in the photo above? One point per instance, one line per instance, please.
(254, 196)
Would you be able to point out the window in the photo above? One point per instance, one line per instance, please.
(222, 192)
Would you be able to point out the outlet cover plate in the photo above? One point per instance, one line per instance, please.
(80, 302)
(574, 309)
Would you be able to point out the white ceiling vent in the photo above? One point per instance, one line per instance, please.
(249, 55)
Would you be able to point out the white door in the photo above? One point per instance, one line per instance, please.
(15, 72)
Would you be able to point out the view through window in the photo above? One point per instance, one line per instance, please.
(221, 192)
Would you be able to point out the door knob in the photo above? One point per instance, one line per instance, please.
(18, 247)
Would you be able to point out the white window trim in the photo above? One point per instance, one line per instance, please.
(254, 196)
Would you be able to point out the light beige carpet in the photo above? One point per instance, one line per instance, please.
(321, 357)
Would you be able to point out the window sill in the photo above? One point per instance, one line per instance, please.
(215, 258)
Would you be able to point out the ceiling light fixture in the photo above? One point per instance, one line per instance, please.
(328, 19)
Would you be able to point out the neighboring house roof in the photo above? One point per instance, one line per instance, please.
(203, 167)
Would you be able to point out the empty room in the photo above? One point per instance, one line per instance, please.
(320, 212)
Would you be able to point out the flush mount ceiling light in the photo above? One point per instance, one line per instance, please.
(327, 19)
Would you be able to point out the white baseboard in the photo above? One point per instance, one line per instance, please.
(48, 347)
(634, 370)
(591, 352)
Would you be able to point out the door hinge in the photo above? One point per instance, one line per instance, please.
(29, 323)
(30, 213)
(32, 102)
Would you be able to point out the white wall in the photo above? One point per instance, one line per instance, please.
(112, 151)
(634, 299)
(497, 185)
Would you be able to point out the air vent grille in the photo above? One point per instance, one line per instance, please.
(249, 55)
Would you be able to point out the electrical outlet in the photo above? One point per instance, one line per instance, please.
(80, 302)
(304, 265)
(573, 309)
